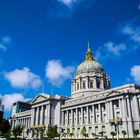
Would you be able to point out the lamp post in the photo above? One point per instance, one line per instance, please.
(116, 122)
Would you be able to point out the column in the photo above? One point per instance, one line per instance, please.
(80, 83)
(129, 108)
(111, 110)
(67, 117)
(102, 83)
(107, 110)
(94, 83)
(87, 110)
(12, 123)
(130, 125)
(32, 116)
(124, 111)
(120, 107)
(93, 112)
(72, 117)
(136, 108)
(46, 115)
(82, 115)
(62, 118)
(25, 123)
(100, 113)
(76, 116)
(139, 103)
(41, 116)
(87, 83)
(74, 85)
(37, 114)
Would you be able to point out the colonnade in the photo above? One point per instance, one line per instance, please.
(97, 112)
(40, 115)
(21, 121)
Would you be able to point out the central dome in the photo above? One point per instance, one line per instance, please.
(89, 65)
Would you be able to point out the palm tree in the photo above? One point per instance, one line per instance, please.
(41, 132)
(68, 132)
(102, 133)
(71, 134)
(124, 133)
(84, 132)
(52, 132)
(64, 134)
(136, 132)
(93, 134)
(112, 133)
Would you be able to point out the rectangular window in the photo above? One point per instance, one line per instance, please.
(84, 85)
(77, 86)
(91, 84)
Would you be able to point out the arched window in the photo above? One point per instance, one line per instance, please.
(84, 85)
(91, 84)
(98, 83)
(77, 86)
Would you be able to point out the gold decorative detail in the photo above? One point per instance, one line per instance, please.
(37, 126)
(89, 55)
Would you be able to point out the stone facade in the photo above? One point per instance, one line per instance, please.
(93, 105)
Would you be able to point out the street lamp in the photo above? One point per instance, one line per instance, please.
(116, 122)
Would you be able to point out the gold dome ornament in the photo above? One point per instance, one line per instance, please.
(89, 55)
(89, 64)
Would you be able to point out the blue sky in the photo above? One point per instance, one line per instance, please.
(43, 41)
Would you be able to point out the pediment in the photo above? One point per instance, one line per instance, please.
(39, 98)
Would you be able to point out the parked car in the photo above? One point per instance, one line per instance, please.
(2, 138)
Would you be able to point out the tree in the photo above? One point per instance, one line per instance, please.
(64, 134)
(124, 133)
(27, 132)
(68, 132)
(112, 133)
(41, 132)
(102, 133)
(93, 134)
(34, 133)
(5, 127)
(52, 132)
(136, 133)
(17, 131)
(71, 134)
(84, 132)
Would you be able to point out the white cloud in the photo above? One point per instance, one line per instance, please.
(55, 72)
(135, 73)
(131, 36)
(70, 2)
(116, 49)
(65, 8)
(23, 78)
(110, 49)
(4, 41)
(9, 99)
(3, 47)
(132, 31)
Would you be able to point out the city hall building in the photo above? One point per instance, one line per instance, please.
(93, 105)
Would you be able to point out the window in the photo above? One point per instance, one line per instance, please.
(96, 129)
(78, 86)
(84, 85)
(98, 83)
(103, 128)
(91, 84)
